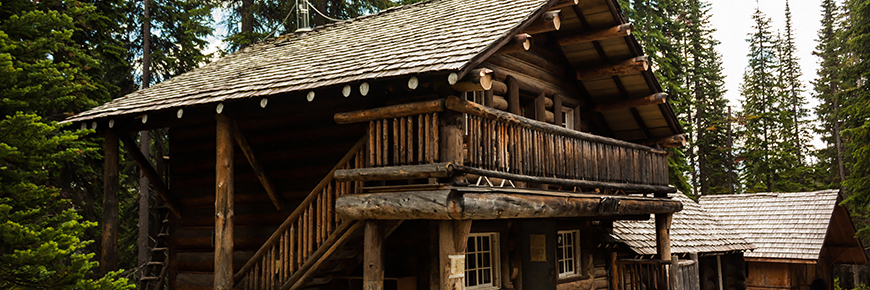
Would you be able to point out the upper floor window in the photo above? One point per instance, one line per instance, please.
(567, 118)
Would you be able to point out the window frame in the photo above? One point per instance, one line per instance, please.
(567, 118)
(575, 251)
(495, 261)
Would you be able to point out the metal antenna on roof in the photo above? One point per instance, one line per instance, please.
(302, 17)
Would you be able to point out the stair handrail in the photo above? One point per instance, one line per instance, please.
(300, 209)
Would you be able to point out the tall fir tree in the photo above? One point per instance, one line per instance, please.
(759, 107)
(830, 167)
(856, 89)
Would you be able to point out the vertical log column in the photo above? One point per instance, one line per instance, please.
(111, 186)
(452, 235)
(373, 273)
(223, 206)
(663, 242)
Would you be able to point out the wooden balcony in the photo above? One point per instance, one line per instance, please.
(405, 142)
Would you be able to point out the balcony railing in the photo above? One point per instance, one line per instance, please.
(503, 145)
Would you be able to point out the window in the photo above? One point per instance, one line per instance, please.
(567, 118)
(566, 253)
(481, 261)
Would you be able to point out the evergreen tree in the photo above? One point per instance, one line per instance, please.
(662, 40)
(760, 107)
(854, 82)
(826, 88)
(44, 71)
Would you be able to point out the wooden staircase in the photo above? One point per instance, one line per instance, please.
(155, 269)
(308, 246)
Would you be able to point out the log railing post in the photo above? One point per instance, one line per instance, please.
(663, 242)
(373, 271)
(450, 147)
(111, 186)
(223, 206)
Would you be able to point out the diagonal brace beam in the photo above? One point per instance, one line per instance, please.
(150, 173)
(258, 168)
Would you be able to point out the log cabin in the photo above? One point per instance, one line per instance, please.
(800, 237)
(708, 255)
(448, 144)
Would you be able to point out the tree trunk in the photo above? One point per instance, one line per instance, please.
(247, 16)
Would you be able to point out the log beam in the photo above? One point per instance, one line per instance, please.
(151, 173)
(621, 30)
(654, 99)
(452, 242)
(258, 168)
(519, 42)
(550, 21)
(224, 201)
(631, 66)
(663, 241)
(111, 186)
(373, 241)
(678, 140)
(454, 204)
(437, 170)
(477, 80)
(564, 3)
(395, 111)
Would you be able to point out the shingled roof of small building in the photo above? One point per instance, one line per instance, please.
(430, 36)
(693, 230)
(781, 225)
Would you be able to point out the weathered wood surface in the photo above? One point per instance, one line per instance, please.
(630, 66)
(255, 164)
(151, 173)
(307, 269)
(452, 241)
(395, 111)
(534, 85)
(111, 187)
(550, 21)
(444, 169)
(513, 95)
(654, 99)
(447, 204)
(621, 30)
(663, 237)
(564, 4)
(224, 215)
(373, 255)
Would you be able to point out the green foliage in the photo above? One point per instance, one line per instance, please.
(40, 233)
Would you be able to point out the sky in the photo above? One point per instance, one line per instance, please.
(733, 21)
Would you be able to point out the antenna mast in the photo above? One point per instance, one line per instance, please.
(302, 17)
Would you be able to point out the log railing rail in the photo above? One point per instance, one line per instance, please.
(307, 236)
(641, 274)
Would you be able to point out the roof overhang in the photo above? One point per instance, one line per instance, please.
(484, 203)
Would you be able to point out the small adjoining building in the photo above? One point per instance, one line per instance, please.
(448, 144)
(708, 254)
(799, 236)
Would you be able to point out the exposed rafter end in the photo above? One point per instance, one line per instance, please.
(678, 140)
(630, 66)
(550, 21)
(621, 30)
(520, 42)
(654, 99)
(479, 79)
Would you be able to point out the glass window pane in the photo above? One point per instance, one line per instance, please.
(471, 244)
(485, 258)
(485, 241)
(470, 262)
(470, 278)
(487, 276)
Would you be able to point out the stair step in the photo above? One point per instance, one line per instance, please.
(162, 235)
(161, 249)
(155, 263)
(149, 278)
(165, 221)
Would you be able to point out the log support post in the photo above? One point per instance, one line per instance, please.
(223, 206)
(111, 186)
(663, 242)
(450, 132)
(452, 242)
(373, 273)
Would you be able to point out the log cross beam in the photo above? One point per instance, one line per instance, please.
(258, 168)
(550, 21)
(630, 66)
(519, 42)
(621, 30)
(150, 173)
(654, 99)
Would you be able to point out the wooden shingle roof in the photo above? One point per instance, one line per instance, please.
(693, 230)
(441, 35)
(781, 225)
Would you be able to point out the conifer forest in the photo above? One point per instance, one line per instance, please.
(61, 57)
